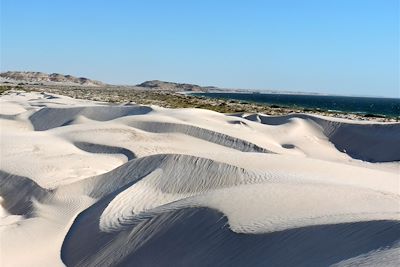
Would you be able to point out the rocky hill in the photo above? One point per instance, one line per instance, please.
(40, 77)
(171, 86)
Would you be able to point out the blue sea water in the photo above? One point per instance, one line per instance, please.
(388, 107)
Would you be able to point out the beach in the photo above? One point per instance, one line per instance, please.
(89, 183)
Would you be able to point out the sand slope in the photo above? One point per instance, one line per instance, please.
(91, 184)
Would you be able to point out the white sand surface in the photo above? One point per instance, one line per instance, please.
(91, 184)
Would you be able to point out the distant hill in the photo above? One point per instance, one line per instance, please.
(40, 77)
(171, 86)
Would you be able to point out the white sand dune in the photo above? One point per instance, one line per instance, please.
(90, 184)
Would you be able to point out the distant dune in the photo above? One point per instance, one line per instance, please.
(53, 78)
(92, 184)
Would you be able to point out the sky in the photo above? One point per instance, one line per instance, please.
(345, 47)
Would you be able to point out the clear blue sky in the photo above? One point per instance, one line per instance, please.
(330, 46)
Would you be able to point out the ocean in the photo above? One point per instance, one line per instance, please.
(388, 107)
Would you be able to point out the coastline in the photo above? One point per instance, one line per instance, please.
(363, 106)
(183, 99)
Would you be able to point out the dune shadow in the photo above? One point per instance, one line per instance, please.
(97, 148)
(18, 193)
(49, 118)
(201, 237)
(288, 146)
(8, 116)
(372, 142)
(201, 133)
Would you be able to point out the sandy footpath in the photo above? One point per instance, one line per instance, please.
(86, 183)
